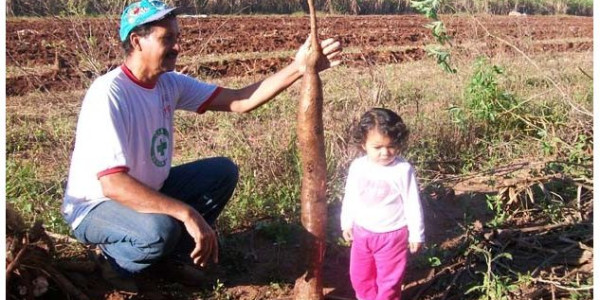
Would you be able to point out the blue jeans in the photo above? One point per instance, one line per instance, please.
(132, 241)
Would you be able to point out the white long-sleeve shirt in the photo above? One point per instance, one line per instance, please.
(383, 198)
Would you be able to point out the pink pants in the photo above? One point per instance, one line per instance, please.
(377, 263)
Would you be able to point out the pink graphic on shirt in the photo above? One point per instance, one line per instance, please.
(167, 110)
(373, 191)
(166, 107)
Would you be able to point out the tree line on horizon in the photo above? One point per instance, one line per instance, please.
(17, 8)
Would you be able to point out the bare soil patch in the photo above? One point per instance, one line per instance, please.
(79, 50)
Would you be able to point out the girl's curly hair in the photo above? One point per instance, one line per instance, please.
(385, 122)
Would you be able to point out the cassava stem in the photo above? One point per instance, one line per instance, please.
(314, 170)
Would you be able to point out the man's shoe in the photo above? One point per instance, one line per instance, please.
(185, 274)
(119, 282)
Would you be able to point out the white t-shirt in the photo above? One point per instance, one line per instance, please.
(126, 126)
(383, 198)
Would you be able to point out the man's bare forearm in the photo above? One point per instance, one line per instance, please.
(254, 95)
(128, 191)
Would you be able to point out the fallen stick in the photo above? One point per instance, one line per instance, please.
(451, 285)
(579, 214)
(537, 269)
(540, 228)
(61, 237)
(527, 180)
(418, 282)
(15, 263)
(521, 242)
(430, 282)
(562, 287)
(580, 244)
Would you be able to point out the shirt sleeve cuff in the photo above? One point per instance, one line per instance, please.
(204, 106)
(119, 169)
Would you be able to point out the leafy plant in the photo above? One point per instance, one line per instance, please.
(432, 257)
(220, 292)
(434, 261)
(488, 108)
(439, 32)
(430, 9)
(494, 286)
(427, 7)
(554, 210)
(441, 56)
(340, 241)
(495, 204)
(580, 151)
(487, 101)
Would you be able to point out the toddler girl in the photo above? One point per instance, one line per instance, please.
(381, 210)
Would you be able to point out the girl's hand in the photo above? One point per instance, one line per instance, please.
(347, 235)
(415, 247)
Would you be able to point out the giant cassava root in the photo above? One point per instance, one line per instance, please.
(314, 171)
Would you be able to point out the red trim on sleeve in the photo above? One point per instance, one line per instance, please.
(204, 106)
(120, 169)
(135, 80)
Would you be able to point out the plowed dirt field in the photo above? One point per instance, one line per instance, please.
(55, 54)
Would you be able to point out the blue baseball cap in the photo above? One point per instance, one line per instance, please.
(142, 12)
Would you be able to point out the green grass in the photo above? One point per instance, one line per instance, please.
(33, 198)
